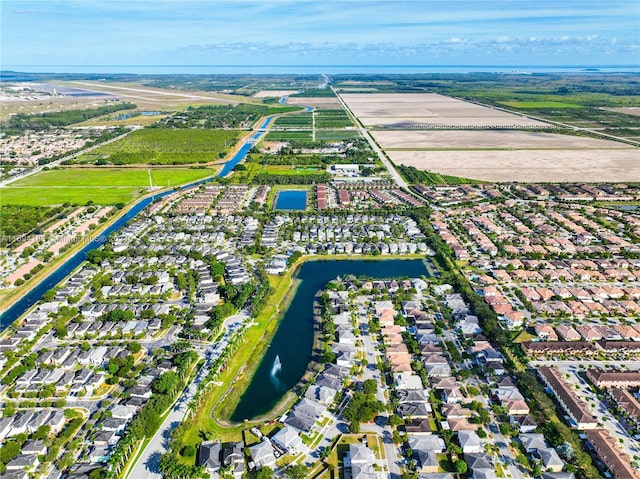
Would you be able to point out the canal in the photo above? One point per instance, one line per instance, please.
(28, 300)
(292, 343)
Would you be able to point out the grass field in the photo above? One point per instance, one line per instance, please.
(299, 120)
(336, 135)
(159, 146)
(101, 185)
(288, 135)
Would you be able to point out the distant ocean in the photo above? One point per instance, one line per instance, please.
(317, 69)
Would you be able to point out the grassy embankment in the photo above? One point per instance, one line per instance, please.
(236, 376)
(222, 400)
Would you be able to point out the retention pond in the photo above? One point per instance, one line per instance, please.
(289, 353)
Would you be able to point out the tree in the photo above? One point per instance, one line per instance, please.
(370, 386)
(9, 409)
(299, 471)
(66, 460)
(265, 473)
(165, 383)
(134, 347)
(461, 466)
(188, 451)
(98, 474)
(537, 470)
(41, 433)
(395, 420)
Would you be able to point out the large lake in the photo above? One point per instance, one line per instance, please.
(293, 341)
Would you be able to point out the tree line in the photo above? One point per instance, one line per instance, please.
(55, 119)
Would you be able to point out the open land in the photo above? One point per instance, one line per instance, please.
(316, 102)
(630, 110)
(483, 152)
(42, 105)
(274, 93)
(146, 96)
(94, 94)
(429, 109)
(528, 165)
(100, 185)
(493, 139)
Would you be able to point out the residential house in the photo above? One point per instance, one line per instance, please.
(469, 442)
(209, 456)
(288, 440)
(262, 455)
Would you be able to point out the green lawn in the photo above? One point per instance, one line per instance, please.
(100, 185)
(337, 135)
(288, 135)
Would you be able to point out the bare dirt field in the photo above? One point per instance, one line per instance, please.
(405, 110)
(317, 102)
(492, 139)
(274, 93)
(630, 110)
(528, 165)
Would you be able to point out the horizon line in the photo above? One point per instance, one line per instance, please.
(323, 65)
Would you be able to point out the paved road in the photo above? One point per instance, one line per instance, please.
(105, 88)
(146, 467)
(584, 362)
(382, 428)
(630, 446)
(383, 158)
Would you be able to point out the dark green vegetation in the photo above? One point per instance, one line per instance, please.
(304, 162)
(336, 135)
(363, 407)
(356, 151)
(332, 118)
(288, 135)
(300, 120)
(55, 119)
(164, 146)
(223, 116)
(18, 220)
(291, 179)
(324, 118)
(416, 176)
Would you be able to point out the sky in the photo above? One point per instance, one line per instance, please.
(332, 32)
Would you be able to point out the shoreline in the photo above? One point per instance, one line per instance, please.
(312, 367)
(293, 393)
